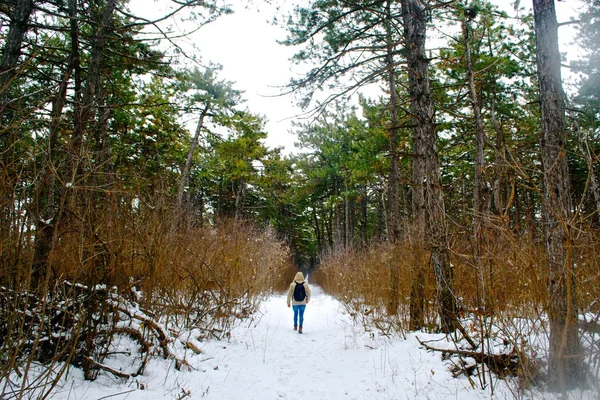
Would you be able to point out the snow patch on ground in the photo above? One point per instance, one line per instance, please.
(266, 359)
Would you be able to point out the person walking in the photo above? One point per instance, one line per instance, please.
(298, 297)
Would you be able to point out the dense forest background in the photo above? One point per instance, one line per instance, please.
(464, 196)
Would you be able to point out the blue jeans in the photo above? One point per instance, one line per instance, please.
(299, 310)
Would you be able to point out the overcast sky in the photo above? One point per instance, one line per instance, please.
(245, 44)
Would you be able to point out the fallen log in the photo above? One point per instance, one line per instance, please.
(163, 338)
(501, 364)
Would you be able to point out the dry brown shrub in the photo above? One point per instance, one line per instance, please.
(361, 280)
(501, 293)
(203, 278)
(508, 276)
(178, 271)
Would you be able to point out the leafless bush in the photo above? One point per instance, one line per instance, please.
(361, 280)
(502, 296)
(115, 281)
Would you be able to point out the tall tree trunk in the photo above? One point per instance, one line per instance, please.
(348, 217)
(338, 238)
(239, 193)
(364, 217)
(426, 169)
(12, 47)
(86, 109)
(317, 229)
(499, 189)
(394, 205)
(185, 174)
(478, 185)
(380, 215)
(47, 211)
(329, 228)
(499, 186)
(565, 364)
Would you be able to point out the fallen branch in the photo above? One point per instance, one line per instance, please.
(162, 336)
(117, 394)
(108, 369)
(501, 364)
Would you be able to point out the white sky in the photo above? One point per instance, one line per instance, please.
(244, 43)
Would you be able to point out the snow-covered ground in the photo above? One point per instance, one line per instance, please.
(266, 359)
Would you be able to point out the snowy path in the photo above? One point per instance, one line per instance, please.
(267, 360)
(327, 362)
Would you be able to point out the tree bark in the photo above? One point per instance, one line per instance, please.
(364, 218)
(427, 189)
(317, 229)
(499, 187)
(338, 237)
(478, 185)
(47, 211)
(394, 205)
(85, 111)
(12, 47)
(348, 217)
(185, 174)
(565, 363)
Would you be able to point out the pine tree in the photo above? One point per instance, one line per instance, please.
(565, 364)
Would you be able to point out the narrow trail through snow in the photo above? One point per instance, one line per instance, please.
(265, 359)
(333, 359)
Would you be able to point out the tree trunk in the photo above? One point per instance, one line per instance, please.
(499, 187)
(47, 211)
(338, 238)
(239, 194)
(364, 218)
(185, 174)
(86, 109)
(565, 364)
(329, 228)
(349, 223)
(394, 207)
(478, 185)
(426, 167)
(317, 229)
(380, 215)
(12, 47)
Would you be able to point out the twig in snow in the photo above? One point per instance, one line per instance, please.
(116, 394)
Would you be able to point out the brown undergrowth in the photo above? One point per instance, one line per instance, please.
(128, 276)
(500, 289)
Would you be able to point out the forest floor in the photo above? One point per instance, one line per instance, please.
(265, 359)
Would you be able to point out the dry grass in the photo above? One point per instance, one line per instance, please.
(502, 293)
(361, 280)
(509, 277)
(106, 261)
